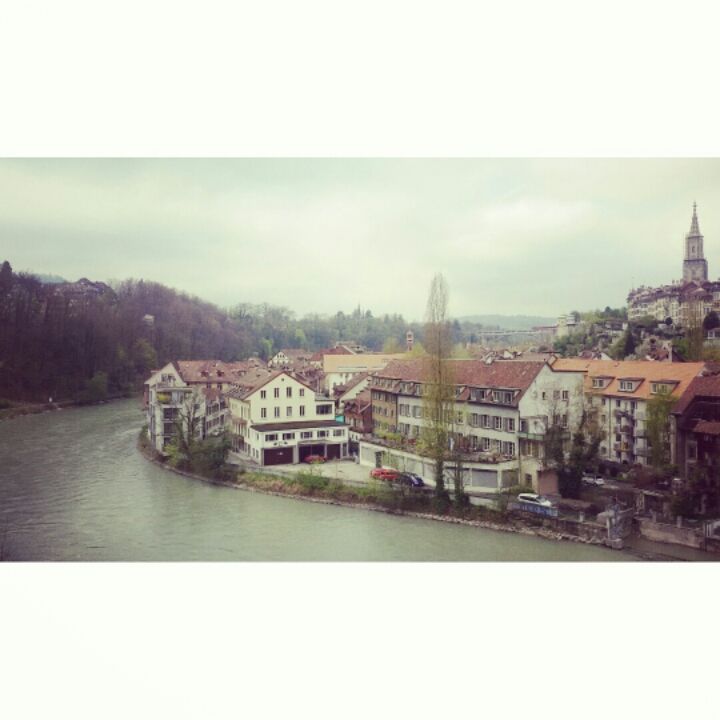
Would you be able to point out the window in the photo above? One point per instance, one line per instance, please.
(324, 409)
(486, 444)
(339, 433)
(276, 413)
(544, 395)
(288, 411)
(306, 435)
(626, 385)
(263, 412)
(302, 392)
(288, 392)
(271, 437)
(322, 433)
(276, 392)
(510, 424)
(288, 436)
(556, 394)
(565, 394)
(302, 411)
(459, 418)
(497, 423)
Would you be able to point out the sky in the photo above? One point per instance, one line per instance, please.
(511, 236)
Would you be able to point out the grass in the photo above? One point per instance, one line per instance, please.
(309, 484)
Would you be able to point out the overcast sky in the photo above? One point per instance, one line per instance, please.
(539, 237)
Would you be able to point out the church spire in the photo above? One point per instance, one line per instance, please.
(694, 227)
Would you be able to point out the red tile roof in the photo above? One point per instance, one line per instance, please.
(708, 387)
(648, 371)
(511, 374)
(707, 427)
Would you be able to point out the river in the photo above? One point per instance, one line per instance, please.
(74, 487)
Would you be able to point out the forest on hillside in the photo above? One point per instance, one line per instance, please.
(85, 340)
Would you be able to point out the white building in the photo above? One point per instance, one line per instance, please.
(501, 414)
(172, 405)
(282, 420)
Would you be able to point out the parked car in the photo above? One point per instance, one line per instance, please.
(314, 459)
(589, 480)
(384, 474)
(534, 499)
(411, 479)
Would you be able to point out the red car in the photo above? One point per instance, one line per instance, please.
(384, 474)
(313, 459)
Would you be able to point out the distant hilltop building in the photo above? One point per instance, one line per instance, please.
(694, 294)
(695, 267)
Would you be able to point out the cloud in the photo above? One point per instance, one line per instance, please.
(512, 236)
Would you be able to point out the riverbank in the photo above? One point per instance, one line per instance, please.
(19, 409)
(383, 499)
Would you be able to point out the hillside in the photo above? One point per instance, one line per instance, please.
(508, 322)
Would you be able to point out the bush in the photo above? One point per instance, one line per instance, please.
(310, 481)
(683, 505)
(4, 404)
(96, 389)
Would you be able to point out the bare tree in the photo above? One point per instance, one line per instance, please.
(438, 388)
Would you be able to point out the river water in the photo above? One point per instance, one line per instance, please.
(74, 487)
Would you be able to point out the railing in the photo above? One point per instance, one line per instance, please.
(531, 436)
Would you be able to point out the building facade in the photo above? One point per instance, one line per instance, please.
(498, 424)
(282, 420)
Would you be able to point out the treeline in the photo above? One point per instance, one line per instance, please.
(84, 341)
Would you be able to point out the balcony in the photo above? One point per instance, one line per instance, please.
(538, 437)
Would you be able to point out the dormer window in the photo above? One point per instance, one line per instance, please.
(626, 386)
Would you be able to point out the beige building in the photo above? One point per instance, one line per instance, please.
(340, 369)
(617, 397)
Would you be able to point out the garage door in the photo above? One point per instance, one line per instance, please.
(333, 452)
(306, 450)
(277, 456)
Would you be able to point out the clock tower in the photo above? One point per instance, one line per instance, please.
(695, 267)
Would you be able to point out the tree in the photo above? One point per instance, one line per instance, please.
(96, 389)
(711, 321)
(629, 343)
(391, 345)
(438, 389)
(456, 456)
(144, 357)
(658, 428)
(187, 423)
(570, 464)
(694, 331)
